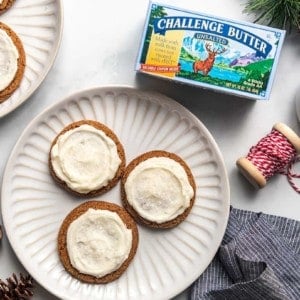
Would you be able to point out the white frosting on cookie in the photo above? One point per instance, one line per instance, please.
(158, 189)
(8, 60)
(85, 158)
(98, 242)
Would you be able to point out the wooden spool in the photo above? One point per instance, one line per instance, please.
(251, 172)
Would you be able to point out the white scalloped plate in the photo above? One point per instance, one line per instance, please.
(39, 25)
(167, 261)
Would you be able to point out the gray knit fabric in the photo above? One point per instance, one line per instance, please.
(259, 259)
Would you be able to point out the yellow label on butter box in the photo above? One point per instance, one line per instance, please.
(164, 52)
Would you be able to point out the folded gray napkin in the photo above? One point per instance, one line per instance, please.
(259, 259)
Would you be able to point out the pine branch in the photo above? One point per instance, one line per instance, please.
(283, 14)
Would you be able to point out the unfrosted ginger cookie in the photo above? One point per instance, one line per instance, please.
(86, 158)
(5, 5)
(97, 241)
(12, 61)
(158, 189)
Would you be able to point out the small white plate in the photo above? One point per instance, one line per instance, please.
(167, 261)
(38, 23)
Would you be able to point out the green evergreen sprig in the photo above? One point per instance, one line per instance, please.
(283, 14)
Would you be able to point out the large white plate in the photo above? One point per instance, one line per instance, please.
(167, 261)
(39, 24)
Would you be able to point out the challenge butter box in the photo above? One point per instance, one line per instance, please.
(234, 57)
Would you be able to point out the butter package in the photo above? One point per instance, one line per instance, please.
(225, 55)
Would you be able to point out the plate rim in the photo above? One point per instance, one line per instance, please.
(149, 93)
(40, 80)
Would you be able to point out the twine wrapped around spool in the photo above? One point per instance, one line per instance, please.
(275, 153)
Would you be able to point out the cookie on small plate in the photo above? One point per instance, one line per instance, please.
(12, 61)
(5, 5)
(86, 158)
(97, 241)
(158, 189)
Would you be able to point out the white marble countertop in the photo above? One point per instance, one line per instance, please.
(99, 47)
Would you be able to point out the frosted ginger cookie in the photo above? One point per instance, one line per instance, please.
(97, 241)
(12, 61)
(86, 158)
(158, 189)
(5, 5)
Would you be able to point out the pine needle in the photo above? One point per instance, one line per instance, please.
(283, 14)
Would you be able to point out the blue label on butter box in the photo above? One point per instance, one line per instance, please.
(226, 55)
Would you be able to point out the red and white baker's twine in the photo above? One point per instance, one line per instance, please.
(275, 154)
